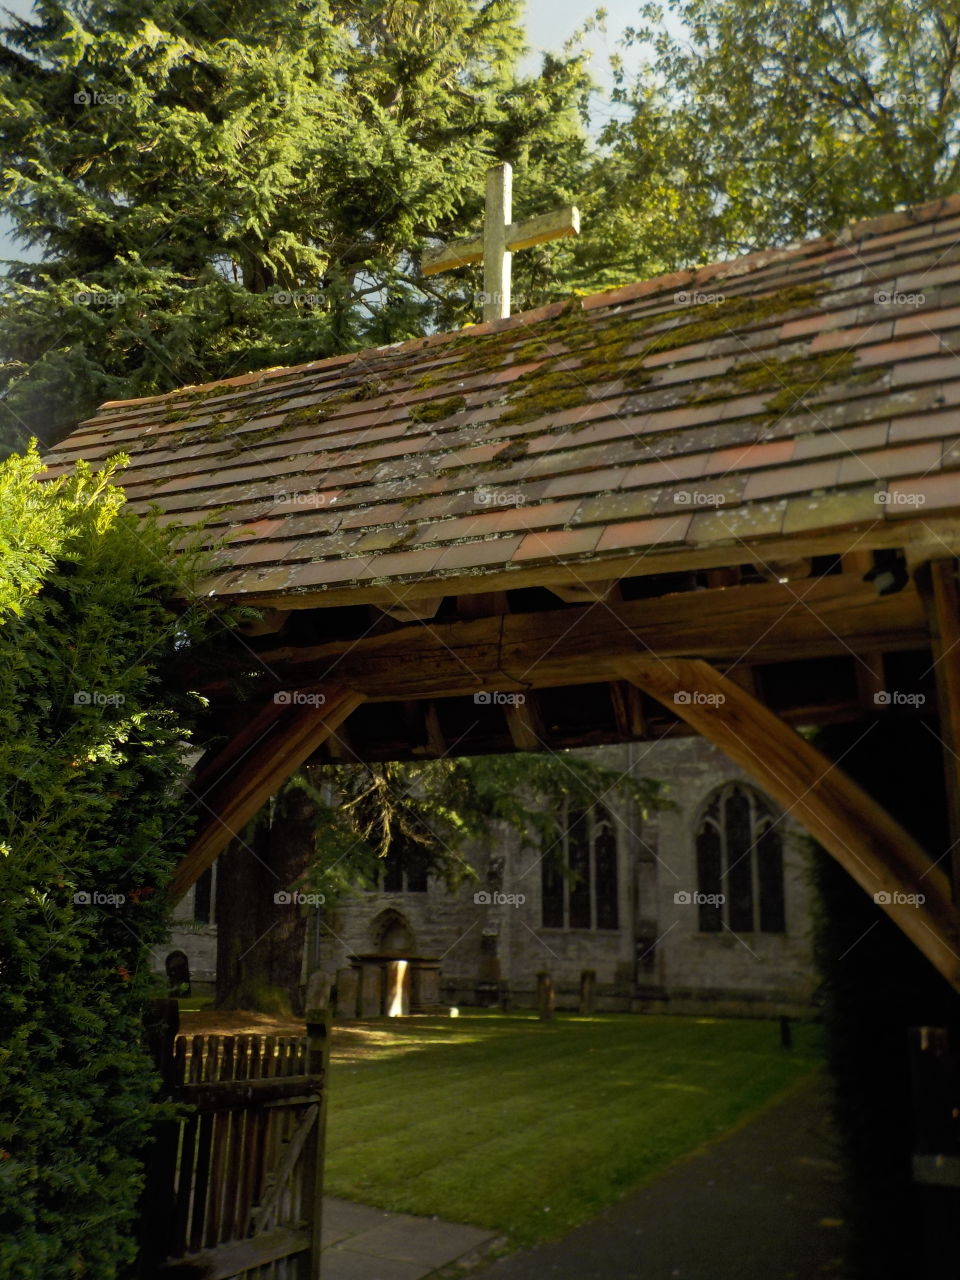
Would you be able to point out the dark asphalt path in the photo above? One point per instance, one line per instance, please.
(765, 1203)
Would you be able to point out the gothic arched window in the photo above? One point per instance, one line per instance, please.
(581, 888)
(740, 856)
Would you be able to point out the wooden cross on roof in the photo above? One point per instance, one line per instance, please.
(501, 238)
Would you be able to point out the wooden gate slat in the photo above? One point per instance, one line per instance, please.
(252, 1154)
(246, 1161)
(220, 1151)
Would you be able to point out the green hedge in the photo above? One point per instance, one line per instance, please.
(92, 744)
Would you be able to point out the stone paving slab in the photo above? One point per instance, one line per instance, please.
(362, 1243)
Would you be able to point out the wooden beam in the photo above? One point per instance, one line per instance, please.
(870, 666)
(257, 762)
(881, 856)
(222, 1261)
(771, 622)
(627, 704)
(946, 656)
(523, 721)
(432, 730)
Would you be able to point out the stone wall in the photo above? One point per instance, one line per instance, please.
(492, 942)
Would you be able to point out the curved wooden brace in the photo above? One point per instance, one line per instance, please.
(233, 783)
(880, 854)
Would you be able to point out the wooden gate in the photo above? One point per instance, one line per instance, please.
(235, 1184)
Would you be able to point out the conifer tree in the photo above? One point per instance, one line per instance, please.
(222, 187)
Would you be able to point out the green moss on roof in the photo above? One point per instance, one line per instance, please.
(435, 410)
(789, 381)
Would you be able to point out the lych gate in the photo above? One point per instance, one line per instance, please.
(724, 501)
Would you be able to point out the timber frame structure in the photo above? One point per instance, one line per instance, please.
(723, 502)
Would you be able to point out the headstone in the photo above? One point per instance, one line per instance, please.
(424, 986)
(370, 998)
(348, 990)
(546, 998)
(318, 991)
(588, 989)
(178, 973)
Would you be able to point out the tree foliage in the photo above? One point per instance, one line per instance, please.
(222, 187)
(91, 764)
(754, 124)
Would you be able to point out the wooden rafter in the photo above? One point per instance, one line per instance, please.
(830, 616)
(524, 724)
(231, 787)
(880, 855)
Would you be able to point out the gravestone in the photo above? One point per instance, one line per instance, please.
(546, 997)
(318, 991)
(370, 996)
(588, 989)
(178, 973)
(348, 991)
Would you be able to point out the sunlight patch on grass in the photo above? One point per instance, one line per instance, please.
(532, 1128)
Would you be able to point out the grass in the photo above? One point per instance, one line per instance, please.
(531, 1128)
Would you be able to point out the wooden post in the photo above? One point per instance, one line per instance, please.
(945, 627)
(318, 1063)
(588, 987)
(935, 1086)
(546, 997)
(161, 1022)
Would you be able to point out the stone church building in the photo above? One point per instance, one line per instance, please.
(702, 907)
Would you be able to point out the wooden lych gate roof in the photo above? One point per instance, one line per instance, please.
(723, 501)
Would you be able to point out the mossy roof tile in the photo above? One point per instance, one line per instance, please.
(815, 377)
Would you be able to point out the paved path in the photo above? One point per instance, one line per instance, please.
(764, 1203)
(360, 1243)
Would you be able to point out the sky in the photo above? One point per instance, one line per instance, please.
(549, 24)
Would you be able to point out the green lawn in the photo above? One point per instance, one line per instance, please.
(509, 1123)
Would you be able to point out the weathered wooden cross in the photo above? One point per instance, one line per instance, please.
(500, 240)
